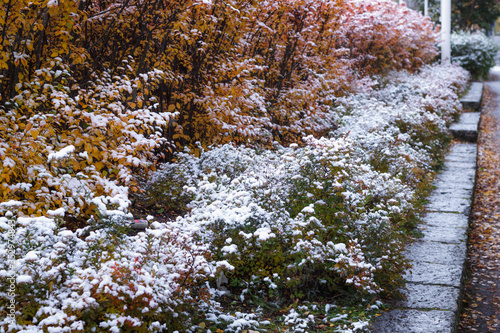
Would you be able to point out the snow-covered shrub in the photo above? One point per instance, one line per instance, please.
(380, 35)
(62, 147)
(166, 188)
(473, 51)
(102, 280)
(402, 125)
(334, 210)
(298, 215)
(269, 74)
(77, 121)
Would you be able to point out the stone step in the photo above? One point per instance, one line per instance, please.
(472, 100)
(466, 129)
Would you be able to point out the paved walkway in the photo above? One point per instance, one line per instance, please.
(434, 288)
(434, 282)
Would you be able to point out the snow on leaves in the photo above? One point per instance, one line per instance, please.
(322, 207)
(336, 205)
(80, 150)
(93, 92)
(150, 280)
(233, 70)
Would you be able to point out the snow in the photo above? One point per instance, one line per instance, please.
(84, 154)
(31, 256)
(11, 203)
(57, 212)
(52, 3)
(8, 163)
(340, 247)
(264, 234)
(309, 209)
(63, 153)
(339, 317)
(24, 279)
(47, 222)
(230, 248)
(66, 233)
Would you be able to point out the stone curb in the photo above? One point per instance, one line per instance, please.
(472, 100)
(466, 128)
(434, 283)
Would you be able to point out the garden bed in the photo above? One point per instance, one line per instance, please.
(309, 237)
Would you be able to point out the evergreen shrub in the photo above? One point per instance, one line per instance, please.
(473, 51)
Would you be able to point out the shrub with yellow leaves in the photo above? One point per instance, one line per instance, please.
(63, 147)
(115, 85)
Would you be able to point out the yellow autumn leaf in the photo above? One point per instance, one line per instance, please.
(34, 133)
(99, 165)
